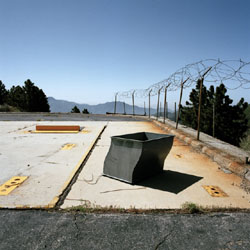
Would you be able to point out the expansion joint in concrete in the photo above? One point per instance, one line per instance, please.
(65, 192)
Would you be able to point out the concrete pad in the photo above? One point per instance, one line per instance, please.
(186, 172)
(43, 158)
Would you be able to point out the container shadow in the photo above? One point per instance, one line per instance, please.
(170, 181)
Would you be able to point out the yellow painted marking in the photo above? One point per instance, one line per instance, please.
(25, 132)
(11, 184)
(215, 191)
(85, 131)
(68, 146)
(53, 132)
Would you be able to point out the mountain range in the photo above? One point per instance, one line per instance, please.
(64, 106)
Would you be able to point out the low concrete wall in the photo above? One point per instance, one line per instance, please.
(229, 157)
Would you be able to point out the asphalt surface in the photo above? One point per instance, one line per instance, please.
(59, 230)
(65, 117)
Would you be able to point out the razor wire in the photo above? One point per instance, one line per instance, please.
(234, 74)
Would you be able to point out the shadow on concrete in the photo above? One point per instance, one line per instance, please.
(170, 181)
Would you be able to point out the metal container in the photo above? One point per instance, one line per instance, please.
(133, 157)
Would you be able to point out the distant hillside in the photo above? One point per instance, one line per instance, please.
(66, 106)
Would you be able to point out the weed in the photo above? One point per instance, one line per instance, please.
(192, 208)
(245, 142)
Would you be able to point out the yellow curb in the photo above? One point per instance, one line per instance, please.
(53, 202)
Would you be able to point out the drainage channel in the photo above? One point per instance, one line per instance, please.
(64, 194)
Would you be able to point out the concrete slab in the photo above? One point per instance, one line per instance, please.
(186, 171)
(41, 157)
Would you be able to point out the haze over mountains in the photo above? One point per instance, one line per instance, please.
(64, 106)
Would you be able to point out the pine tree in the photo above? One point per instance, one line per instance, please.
(17, 98)
(28, 98)
(85, 111)
(75, 110)
(189, 114)
(230, 121)
(3, 93)
(35, 99)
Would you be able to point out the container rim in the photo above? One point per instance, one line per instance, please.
(119, 137)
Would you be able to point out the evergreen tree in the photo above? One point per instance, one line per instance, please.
(35, 99)
(43, 101)
(230, 121)
(28, 98)
(75, 110)
(17, 97)
(189, 114)
(85, 111)
(3, 93)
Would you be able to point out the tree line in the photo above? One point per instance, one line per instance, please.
(27, 98)
(219, 117)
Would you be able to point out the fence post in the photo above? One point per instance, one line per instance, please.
(133, 101)
(179, 107)
(166, 109)
(199, 110)
(175, 111)
(159, 92)
(160, 110)
(149, 103)
(165, 102)
(213, 120)
(115, 102)
(124, 108)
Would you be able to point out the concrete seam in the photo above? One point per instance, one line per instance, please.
(58, 200)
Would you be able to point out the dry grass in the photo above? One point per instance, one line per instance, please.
(8, 108)
(186, 208)
(245, 143)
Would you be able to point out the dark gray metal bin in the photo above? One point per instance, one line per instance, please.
(133, 157)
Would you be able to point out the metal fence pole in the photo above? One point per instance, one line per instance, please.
(175, 111)
(199, 110)
(165, 102)
(166, 109)
(115, 103)
(124, 108)
(149, 103)
(213, 120)
(133, 101)
(158, 102)
(179, 107)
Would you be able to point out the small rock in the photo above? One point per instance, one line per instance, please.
(226, 171)
(247, 175)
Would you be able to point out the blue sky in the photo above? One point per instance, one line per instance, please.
(86, 50)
